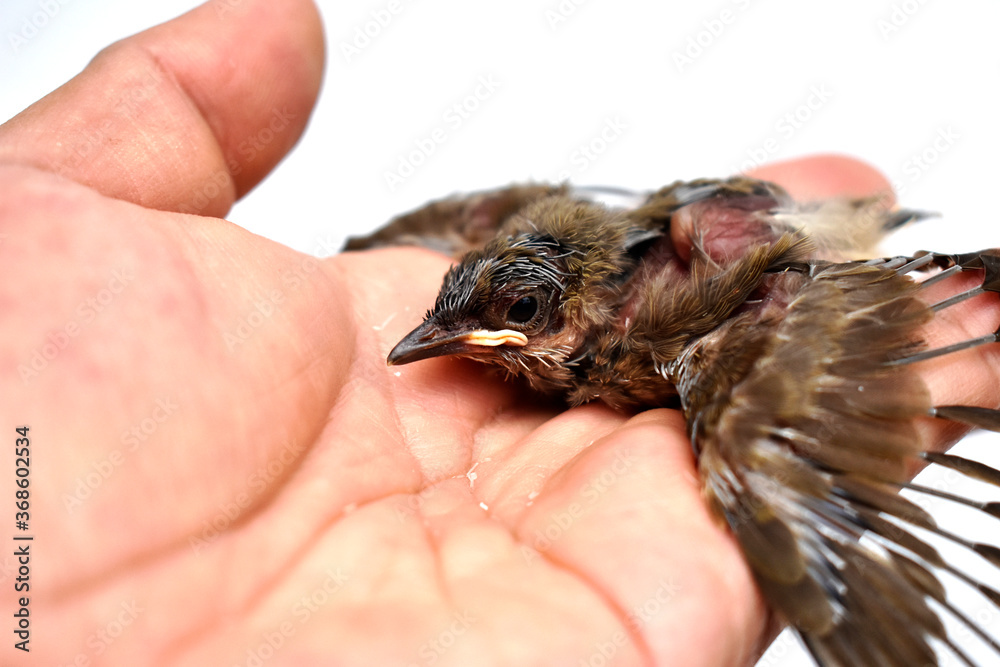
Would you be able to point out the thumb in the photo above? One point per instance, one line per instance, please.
(186, 116)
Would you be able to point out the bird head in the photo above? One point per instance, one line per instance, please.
(531, 298)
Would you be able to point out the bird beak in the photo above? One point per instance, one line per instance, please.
(430, 340)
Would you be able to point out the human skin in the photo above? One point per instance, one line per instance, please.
(223, 469)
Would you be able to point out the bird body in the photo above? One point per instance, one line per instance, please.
(794, 365)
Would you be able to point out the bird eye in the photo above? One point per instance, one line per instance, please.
(523, 310)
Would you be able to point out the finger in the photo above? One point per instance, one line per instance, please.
(969, 377)
(639, 531)
(193, 356)
(186, 116)
(821, 176)
(724, 231)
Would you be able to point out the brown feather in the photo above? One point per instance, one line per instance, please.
(796, 371)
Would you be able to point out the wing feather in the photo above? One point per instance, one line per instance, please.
(804, 456)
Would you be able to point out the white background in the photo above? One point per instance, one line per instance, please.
(892, 77)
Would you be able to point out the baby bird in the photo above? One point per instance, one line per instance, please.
(793, 362)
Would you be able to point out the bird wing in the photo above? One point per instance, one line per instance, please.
(804, 453)
(455, 225)
(724, 216)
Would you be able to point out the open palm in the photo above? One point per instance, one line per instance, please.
(223, 469)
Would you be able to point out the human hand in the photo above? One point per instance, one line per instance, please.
(224, 470)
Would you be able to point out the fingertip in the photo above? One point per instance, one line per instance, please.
(830, 175)
(186, 116)
(253, 68)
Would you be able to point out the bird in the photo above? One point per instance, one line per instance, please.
(791, 348)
